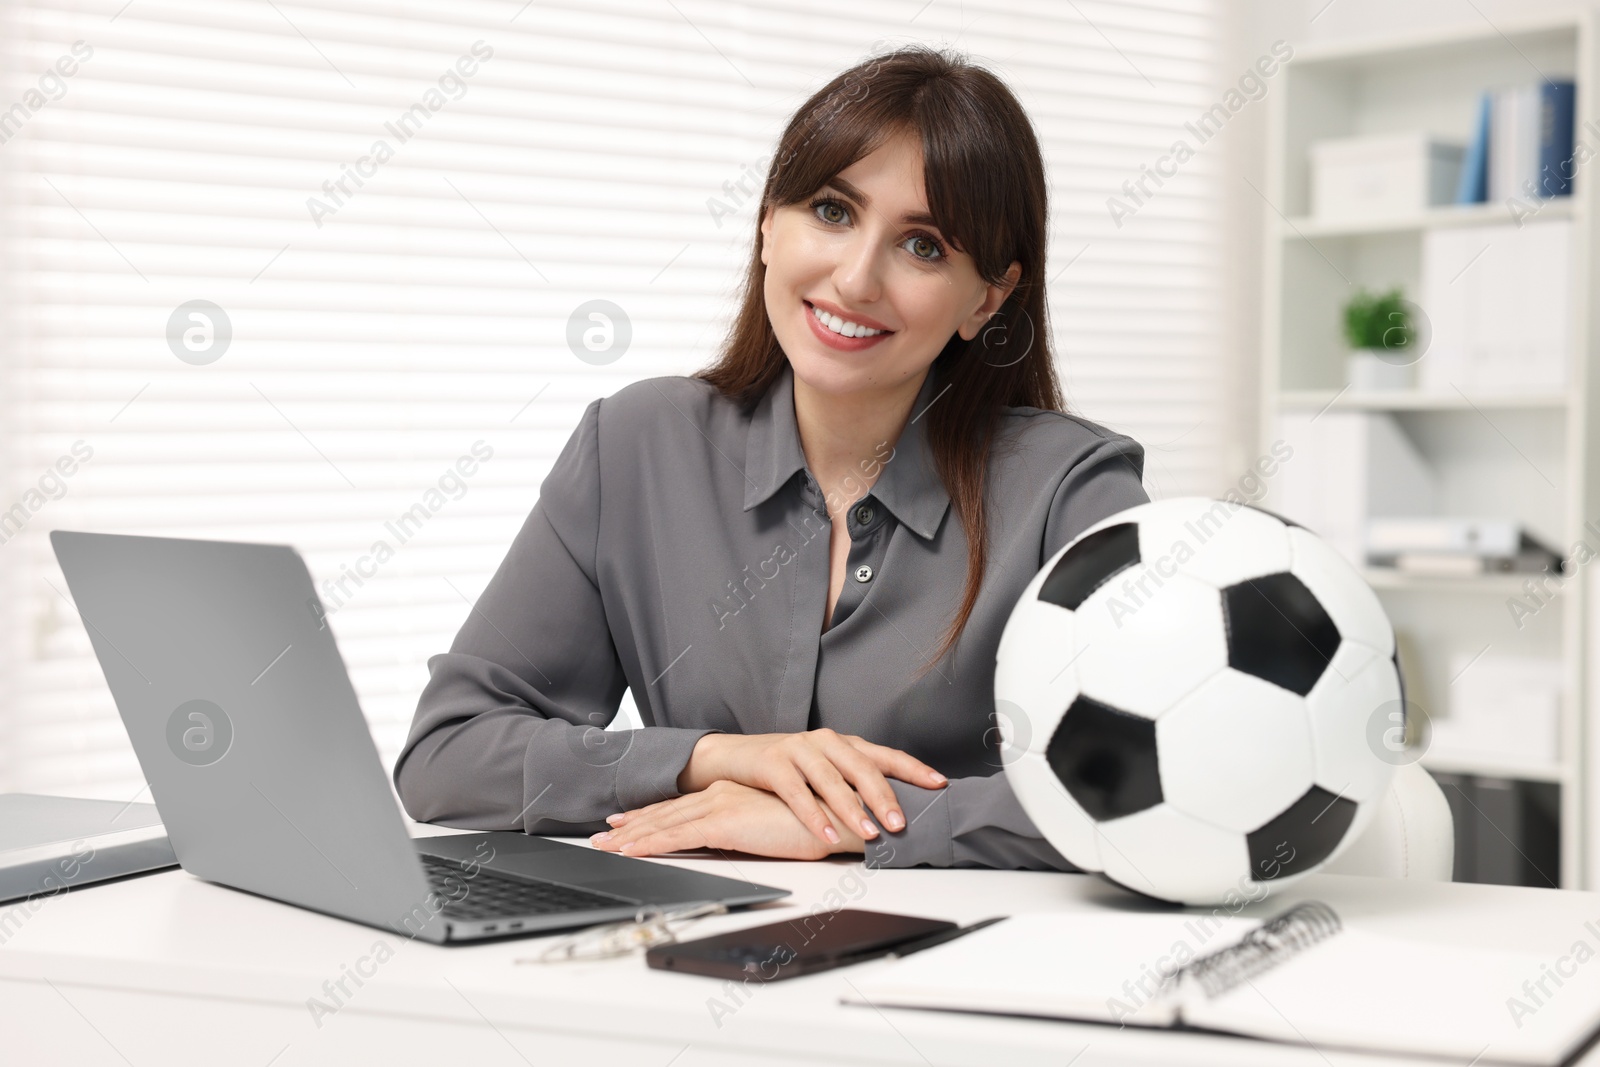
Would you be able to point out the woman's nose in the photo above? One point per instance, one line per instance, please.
(856, 276)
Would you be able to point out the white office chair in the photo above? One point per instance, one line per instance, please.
(1412, 835)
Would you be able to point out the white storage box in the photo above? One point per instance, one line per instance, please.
(1445, 534)
(1499, 299)
(1379, 176)
(1502, 707)
(1348, 467)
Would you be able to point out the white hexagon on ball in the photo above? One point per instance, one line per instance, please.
(1172, 534)
(1235, 752)
(1037, 633)
(1358, 685)
(1142, 656)
(1164, 853)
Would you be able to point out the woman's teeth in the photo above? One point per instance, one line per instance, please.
(842, 326)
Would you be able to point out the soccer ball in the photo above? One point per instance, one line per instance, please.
(1184, 696)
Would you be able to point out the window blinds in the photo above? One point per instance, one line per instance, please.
(304, 272)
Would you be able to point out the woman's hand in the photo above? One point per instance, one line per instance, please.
(724, 815)
(809, 769)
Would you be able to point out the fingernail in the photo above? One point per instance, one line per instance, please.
(614, 819)
(603, 835)
(867, 829)
(895, 820)
(630, 844)
(939, 778)
(831, 834)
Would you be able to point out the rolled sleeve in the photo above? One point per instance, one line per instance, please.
(508, 732)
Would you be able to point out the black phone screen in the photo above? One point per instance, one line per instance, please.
(802, 945)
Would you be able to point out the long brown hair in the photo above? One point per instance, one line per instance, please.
(985, 183)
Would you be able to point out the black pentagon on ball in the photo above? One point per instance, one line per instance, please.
(1089, 564)
(1278, 631)
(1302, 836)
(1106, 759)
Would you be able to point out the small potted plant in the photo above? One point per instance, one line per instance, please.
(1382, 340)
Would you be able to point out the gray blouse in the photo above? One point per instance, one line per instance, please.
(679, 549)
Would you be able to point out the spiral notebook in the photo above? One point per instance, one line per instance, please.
(1302, 977)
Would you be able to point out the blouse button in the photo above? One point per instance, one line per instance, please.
(864, 514)
(864, 573)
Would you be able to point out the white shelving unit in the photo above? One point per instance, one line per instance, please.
(1432, 82)
(1411, 400)
(1307, 226)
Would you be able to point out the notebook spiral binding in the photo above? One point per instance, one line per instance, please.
(1274, 941)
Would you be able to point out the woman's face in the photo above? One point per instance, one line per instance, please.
(856, 249)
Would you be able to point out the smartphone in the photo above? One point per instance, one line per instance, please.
(803, 945)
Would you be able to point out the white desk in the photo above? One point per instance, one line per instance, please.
(168, 970)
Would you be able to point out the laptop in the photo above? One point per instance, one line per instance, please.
(261, 765)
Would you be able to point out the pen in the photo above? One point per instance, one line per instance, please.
(940, 938)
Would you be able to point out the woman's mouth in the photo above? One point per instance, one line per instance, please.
(827, 326)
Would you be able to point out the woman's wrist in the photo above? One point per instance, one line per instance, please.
(701, 769)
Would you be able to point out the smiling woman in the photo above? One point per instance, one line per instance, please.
(894, 294)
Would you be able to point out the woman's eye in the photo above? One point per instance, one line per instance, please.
(825, 206)
(930, 245)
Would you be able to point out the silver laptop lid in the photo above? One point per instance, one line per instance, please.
(245, 724)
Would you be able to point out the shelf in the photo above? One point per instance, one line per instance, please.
(1488, 214)
(1497, 583)
(1433, 45)
(1414, 400)
(1489, 767)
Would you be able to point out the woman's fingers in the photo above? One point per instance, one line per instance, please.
(830, 784)
(897, 763)
(651, 819)
(667, 839)
(875, 790)
(622, 818)
(628, 817)
(793, 789)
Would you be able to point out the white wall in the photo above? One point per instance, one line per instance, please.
(1345, 19)
(1255, 26)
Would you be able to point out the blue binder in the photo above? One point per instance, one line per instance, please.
(1557, 104)
(1473, 187)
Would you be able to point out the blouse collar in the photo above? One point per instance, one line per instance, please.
(908, 485)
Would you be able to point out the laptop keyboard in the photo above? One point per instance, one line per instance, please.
(491, 896)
